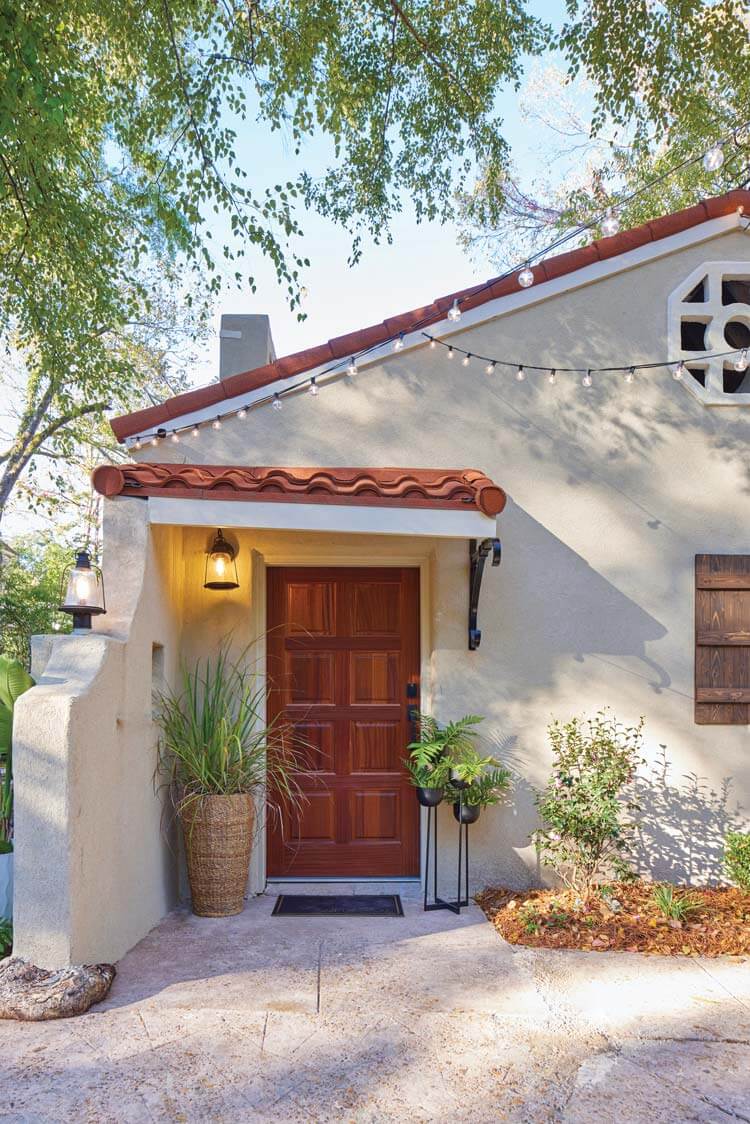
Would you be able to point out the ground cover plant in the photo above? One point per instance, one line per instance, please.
(737, 858)
(625, 917)
(6, 937)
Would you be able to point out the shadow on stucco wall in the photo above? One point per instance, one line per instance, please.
(682, 824)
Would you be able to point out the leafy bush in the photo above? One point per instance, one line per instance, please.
(6, 937)
(677, 907)
(14, 680)
(737, 858)
(586, 837)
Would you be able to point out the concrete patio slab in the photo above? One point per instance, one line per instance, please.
(429, 1017)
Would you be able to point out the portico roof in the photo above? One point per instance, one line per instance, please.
(433, 501)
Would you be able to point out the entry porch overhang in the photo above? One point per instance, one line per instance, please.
(441, 503)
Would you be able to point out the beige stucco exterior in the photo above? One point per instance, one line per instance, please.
(612, 491)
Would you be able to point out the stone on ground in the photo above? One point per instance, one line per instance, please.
(31, 994)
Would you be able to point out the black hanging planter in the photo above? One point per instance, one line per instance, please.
(429, 797)
(466, 813)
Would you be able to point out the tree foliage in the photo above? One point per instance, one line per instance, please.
(662, 83)
(30, 594)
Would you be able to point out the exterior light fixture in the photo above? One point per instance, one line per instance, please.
(221, 565)
(82, 591)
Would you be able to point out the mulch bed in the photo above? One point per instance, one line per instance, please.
(550, 919)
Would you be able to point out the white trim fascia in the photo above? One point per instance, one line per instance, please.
(494, 309)
(336, 518)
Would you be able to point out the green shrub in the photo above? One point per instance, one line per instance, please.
(737, 858)
(6, 938)
(586, 836)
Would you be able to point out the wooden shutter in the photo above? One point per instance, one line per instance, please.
(722, 639)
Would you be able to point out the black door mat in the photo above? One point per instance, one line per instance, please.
(337, 905)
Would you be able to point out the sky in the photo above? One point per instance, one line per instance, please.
(423, 261)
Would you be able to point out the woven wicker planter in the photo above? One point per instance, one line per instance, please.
(218, 834)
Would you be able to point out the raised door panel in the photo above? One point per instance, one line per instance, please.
(375, 816)
(310, 608)
(376, 747)
(310, 678)
(374, 679)
(376, 608)
(314, 743)
(315, 819)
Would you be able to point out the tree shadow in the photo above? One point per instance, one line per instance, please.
(681, 830)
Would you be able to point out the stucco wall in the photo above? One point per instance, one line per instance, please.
(612, 492)
(94, 870)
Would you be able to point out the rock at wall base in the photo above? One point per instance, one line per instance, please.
(31, 994)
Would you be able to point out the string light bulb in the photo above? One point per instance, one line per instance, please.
(176, 437)
(679, 371)
(399, 343)
(520, 374)
(242, 412)
(740, 362)
(195, 431)
(587, 380)
(216, 423)
(466, 360)
(277, 403)
(610, 224)
(352, 368)
(138, 443)
(714, 158)
(433, 343)
(526, 277)
(454, 312)
(155, 439)
(552, 378)
(450, 352)
(313, 387)
(629, 374)
(490, 368)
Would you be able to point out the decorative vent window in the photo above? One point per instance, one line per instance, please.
(708, 313)
(722, 639)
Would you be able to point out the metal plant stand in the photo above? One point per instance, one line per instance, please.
(463, 862)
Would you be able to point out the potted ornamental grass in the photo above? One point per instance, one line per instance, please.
(220, 758)
(14, 681)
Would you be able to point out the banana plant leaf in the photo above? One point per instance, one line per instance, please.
(14, 680)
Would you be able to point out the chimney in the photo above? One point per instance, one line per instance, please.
(245, 343)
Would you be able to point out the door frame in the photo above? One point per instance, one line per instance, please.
(346, 555)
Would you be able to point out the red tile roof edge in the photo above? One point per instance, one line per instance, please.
(446, 488)
(140, 421)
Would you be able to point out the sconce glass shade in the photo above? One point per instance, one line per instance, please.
(82, 591)
(221, 565)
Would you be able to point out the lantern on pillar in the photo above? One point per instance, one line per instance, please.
(82, 591)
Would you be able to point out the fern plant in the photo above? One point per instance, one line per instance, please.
(440, 749)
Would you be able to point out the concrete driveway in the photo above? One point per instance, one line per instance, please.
(422, 1018)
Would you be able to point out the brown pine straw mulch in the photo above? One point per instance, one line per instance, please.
(550, 919)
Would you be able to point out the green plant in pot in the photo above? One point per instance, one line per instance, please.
(219, 755)
(478, 782)
(432, 757)
(14, 681)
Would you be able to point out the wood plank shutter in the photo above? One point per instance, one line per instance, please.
(722, 639)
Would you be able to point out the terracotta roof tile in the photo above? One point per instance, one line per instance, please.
(453, 489)
(339, 348)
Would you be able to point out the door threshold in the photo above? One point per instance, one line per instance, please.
(280, 879)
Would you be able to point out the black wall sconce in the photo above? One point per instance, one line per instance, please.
(221, 565)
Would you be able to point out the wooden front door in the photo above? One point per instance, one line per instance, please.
(343, 646)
